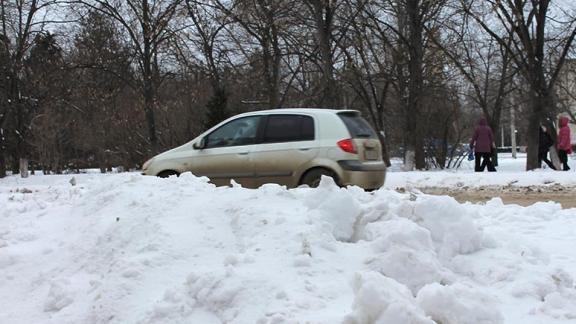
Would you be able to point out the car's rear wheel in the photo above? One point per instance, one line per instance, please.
(312, 177)
(167, 173)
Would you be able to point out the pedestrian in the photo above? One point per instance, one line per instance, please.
(544, 143)
(483, 144)
(564, 145)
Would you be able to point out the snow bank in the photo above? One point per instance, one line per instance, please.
(337, 209)
(449, 223)
(132, 249)
(459, 304)
(383, 300)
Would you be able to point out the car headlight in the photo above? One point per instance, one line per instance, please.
(147, 164)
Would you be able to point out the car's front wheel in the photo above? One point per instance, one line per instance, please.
(167, 173)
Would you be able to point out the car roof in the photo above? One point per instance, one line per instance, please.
(314, 111)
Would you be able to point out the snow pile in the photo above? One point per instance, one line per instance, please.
(338, 210)
(383, 300)
(132, 249)
(450, 225)
(459, 303)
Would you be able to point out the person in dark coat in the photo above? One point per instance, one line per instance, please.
(564, 145)
(544, 143)
(483, 143)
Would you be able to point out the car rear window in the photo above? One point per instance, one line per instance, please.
(288, 128)
(357, 126)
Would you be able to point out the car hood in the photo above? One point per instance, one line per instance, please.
(166, 155)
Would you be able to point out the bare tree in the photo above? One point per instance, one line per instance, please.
(407, 20)
(21, 21)
(368, 70)
(566, 89)
(205, 33)
(147, 26)
(323, 14)
(484, 65)
(101, 64)
(541, 41)
(265, 22)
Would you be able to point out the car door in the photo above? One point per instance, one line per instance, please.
(286, 145)
(226, 154)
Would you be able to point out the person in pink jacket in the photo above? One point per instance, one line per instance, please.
(482, 143)
(564, 145)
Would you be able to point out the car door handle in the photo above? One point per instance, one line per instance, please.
(304, 149)
(243, 153)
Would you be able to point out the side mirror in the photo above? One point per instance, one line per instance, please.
(201, 144)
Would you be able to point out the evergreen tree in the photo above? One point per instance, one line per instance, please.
(102, 64)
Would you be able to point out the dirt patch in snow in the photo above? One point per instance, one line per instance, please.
(524, 196)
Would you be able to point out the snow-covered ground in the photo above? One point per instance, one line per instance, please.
(510, 172)
(125, 248)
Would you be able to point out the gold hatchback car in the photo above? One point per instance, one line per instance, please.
(290, 147)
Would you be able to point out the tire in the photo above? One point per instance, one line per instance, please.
(312, 177)
(167, 173)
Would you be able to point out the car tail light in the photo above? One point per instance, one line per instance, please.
(347, 146)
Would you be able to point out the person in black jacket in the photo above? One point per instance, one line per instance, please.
(544, 143)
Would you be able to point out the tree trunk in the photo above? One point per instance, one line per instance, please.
(276, 61)
(3, 167)
(3, 116)
(532, 141)
(415, 84)
(380, 124)
(541, 103)
(101, 160)
(2, 160)
(150, 119)
(15, 162)
(271, 58)
(24, 168)
(216, 107)
(148, 82)
(270, 73)
(323, 16)
(494, 123)
(385, 154)
(513, 131)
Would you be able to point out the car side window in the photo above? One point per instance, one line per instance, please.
(288, 128)
(241, 131)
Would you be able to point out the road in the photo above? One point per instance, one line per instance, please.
(523, 196)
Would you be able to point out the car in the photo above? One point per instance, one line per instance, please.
(290, 147)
